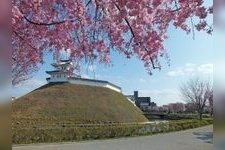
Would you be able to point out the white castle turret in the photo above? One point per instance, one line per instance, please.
(62, 73)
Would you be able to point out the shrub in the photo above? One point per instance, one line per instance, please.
(44, 135)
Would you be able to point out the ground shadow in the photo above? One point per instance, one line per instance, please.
(207, 137)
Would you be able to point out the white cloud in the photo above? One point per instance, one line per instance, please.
(142, 80)
(192, 69)
(189, 68)
(176, 73)
(162, 96)
(206, 68)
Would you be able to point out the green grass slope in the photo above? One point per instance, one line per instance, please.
(70, 105)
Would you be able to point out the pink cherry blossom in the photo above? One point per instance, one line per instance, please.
(92, 29)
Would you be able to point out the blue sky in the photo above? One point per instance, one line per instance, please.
(189, 58)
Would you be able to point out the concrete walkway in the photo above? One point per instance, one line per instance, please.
(194, 139)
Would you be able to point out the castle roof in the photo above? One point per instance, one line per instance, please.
(66, 60)
(55, 71)
(62, 62)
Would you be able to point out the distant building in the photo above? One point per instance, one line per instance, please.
(63, 73)
(143, 103)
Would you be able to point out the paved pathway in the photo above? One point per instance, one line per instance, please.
(194, 139)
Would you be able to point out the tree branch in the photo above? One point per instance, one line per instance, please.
(175, 10)
(153, 65)
(88, 3)
(151, 59)
(128, 23)
(193, 28)
(132, 32)
(41, 23)
(44, 24)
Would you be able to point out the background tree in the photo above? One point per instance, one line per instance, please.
(190, 108)
(91, 29)
(211, 101)
(176, 107)
(197, 91)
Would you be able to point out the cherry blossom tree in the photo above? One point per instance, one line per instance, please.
(176, 107)
(92, 29)
(24, 65)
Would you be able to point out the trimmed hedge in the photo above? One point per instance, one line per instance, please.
(180, 116)
(45, 135)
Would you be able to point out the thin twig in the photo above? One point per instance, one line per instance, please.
(193, 29)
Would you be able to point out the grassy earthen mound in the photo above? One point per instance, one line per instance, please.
(69, 105)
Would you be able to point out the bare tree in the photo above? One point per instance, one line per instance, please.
(211, 101)
(190, 108)
(198, 92)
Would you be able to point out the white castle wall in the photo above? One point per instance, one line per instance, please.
(58, 79)
(113, 88)
(94, 83)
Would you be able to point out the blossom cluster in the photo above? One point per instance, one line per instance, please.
(92, 29)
